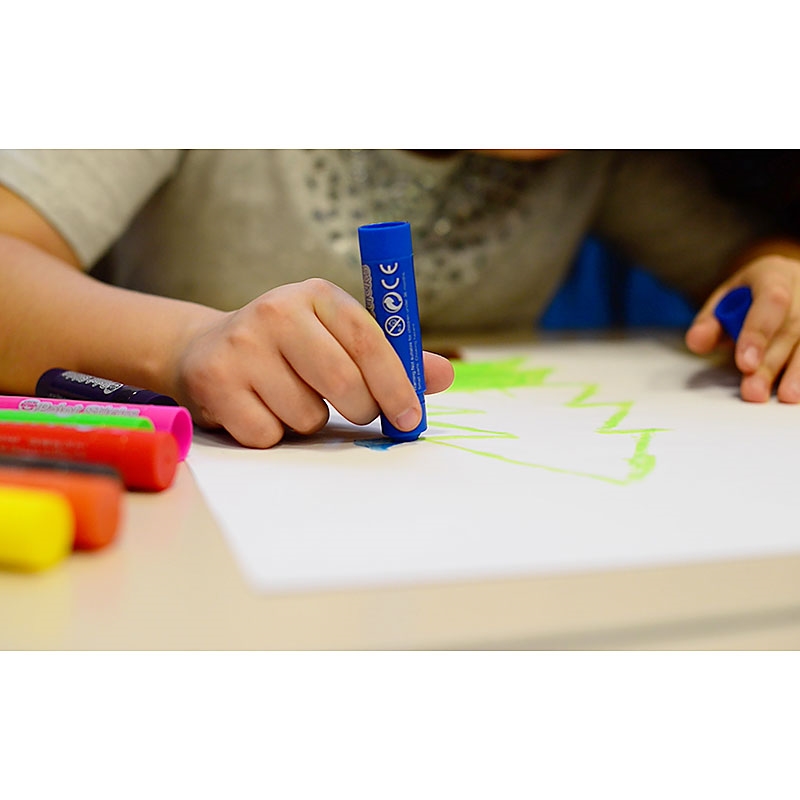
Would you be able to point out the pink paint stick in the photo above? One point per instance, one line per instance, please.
(175, 420)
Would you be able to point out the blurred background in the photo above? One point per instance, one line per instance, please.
(606, 291)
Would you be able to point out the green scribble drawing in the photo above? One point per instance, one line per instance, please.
(509, 374)
(478, 376)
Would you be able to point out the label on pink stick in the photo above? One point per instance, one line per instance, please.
(173, 419)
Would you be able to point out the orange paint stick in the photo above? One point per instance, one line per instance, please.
(95, 494)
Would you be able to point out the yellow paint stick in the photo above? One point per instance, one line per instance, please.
(37, 528)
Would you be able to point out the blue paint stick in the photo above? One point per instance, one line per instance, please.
(390, 294)
(732, 310)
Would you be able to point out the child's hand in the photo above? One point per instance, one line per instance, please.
(271, 363)
(768, 342)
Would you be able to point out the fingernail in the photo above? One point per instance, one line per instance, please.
(750, 358)
(408, 420)
(759, 386)
(792, 392)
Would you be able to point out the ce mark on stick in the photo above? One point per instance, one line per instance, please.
(387, 269)
(392, 301)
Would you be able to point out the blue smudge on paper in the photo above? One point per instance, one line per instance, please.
(377, 444)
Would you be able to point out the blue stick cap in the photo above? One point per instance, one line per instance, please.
(385, 241)
(732, 310)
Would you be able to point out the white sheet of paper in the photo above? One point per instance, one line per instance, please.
(608, 455)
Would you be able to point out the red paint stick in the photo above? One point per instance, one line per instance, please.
(145, 459)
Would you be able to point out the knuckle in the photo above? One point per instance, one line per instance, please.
(364, 338)
(237, 332)
(792, 321)
(319, 287)
(363, 342)
(265, 435)
(311, 420)
(270, 309)
(365, 415)
(779, 295)
(340, 380)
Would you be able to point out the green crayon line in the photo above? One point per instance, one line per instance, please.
(641, 463)
(559, 470)
(481, 376)
(509, 374)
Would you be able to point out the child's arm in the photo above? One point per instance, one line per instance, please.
(663, 211)
(251, 371)
(768, 342)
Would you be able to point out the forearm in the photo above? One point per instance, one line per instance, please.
(53, 315)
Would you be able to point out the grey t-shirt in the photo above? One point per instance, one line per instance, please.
(493, 240)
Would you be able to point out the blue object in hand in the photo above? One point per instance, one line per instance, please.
(390, 294)
(732, 310)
